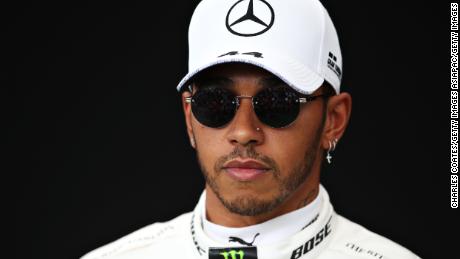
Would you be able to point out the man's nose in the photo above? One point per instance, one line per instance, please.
(243, 129)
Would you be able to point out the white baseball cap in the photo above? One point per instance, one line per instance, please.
(293, 39)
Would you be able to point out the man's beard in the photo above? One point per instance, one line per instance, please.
(252, 206)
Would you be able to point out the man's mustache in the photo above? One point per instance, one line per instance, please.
(245, 153)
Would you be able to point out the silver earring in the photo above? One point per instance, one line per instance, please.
(328, 156)
(332, 146)
(258, 129)
(192, 142)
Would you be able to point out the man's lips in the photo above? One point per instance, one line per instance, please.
(245, 170)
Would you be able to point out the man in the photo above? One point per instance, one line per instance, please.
(264, 111)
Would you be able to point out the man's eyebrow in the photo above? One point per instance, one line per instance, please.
(213, 81)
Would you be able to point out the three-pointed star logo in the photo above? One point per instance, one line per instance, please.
(250, 16)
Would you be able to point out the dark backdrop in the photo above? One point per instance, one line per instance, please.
(98, 144)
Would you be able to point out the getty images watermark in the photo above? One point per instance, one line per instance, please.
(454, 105)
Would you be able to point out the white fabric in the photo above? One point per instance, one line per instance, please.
(268, 232)
(329, 237)
(296, 47)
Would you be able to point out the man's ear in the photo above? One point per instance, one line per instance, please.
(338, 114)
(188, 117)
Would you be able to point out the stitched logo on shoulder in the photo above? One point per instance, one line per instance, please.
(362, 250)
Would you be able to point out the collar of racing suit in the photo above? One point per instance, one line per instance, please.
(266, 233)
(307, 243)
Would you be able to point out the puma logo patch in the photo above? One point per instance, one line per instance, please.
(241, 241)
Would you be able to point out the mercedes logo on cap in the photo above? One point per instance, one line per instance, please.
(250, 18)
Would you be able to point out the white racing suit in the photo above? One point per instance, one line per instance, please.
(330, 236)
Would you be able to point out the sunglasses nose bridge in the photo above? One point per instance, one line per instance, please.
(238, 102)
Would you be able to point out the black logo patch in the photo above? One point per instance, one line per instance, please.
(332, 64)
(258, 12)
(233, 253)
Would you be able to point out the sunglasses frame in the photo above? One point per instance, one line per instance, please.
(300, 100)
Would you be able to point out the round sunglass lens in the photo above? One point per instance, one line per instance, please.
(276, 107)
(213, 107)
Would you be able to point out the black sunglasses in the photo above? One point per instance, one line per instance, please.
(276, 107)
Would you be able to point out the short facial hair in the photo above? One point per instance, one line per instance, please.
(247, 206)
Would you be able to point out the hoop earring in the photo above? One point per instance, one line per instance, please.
(192, 142)
(334, 144)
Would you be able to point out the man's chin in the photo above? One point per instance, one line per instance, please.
(249, 205)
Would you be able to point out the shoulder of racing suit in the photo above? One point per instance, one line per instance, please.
(354, 241)
(155, 239)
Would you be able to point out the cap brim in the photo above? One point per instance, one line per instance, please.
(296, 75)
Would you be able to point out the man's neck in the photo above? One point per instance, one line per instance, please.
(269, 232)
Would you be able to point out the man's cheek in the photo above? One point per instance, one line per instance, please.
(209, 161)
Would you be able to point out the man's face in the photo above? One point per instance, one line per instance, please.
(288, 154)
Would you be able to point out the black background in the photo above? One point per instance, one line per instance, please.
(98, 146)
